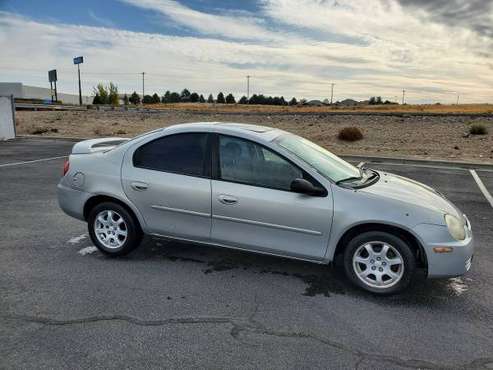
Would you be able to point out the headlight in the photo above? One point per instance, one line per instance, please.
(455, 227)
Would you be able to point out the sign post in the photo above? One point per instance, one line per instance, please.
(52, 77)
(78, 61)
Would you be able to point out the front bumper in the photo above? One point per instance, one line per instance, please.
(441, 265)
(72, 201)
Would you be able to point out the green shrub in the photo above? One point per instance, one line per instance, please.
(350, 134)
(478, 129)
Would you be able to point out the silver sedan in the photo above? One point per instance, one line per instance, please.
(267, 191)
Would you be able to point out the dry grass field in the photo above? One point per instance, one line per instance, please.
(242, 108)
(397, 134)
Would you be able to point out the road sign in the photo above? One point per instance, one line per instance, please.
(52, 75)
(78, 60)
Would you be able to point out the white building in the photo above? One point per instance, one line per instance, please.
(21, 91)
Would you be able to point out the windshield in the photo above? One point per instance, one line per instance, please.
(327, 164)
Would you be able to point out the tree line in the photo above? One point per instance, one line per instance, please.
(109, 95)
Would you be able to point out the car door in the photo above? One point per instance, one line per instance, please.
(168, 180)
(253, 207)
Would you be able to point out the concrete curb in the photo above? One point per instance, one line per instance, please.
(418, 162)
(352, 158)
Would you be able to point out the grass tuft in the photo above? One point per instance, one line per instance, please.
(350, 134)
(478, 129)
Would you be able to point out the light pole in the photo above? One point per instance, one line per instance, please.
(143, 91)
(403, 97)
(79, 61)
(248, 87)
(332, 93)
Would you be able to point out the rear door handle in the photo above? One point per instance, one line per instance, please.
(139, 186)
(227, 199)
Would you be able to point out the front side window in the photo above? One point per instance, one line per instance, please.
(248, 163)
(182, 153)
(324, 162)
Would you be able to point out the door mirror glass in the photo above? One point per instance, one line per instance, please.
(303, 186)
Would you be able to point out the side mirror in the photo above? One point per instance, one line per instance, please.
(303, 186)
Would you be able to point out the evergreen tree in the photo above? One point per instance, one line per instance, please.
(230, 99)
(185, 95)
(194, 97)
(148, 99)
(165, 98)
(201, 99)
(125, 99)
(134, 98)
(155, 98)
(174, 97)
(210, 99)
(220, 98)
(243, 100)
(293, 101)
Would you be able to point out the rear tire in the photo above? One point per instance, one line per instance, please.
(113, 230)
(379, 262)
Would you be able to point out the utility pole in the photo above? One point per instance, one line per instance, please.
(143, 85)
(458, 96)
(248, 87)
(332, 93)
(403, 97)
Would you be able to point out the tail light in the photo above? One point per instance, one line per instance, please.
(66, 166)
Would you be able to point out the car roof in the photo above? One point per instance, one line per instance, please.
(258, 131)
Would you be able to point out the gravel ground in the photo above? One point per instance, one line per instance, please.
(397, 135)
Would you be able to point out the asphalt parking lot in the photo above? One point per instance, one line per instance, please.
(64, 305)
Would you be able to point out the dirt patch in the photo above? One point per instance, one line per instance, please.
(418, 136)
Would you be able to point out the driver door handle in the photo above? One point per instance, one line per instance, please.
(227, 199)
(139, 186)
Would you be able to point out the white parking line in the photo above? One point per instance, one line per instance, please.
(33, 161)
(481, 186)
(88, 250)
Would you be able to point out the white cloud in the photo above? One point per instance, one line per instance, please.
(399, 50)
(231, 26)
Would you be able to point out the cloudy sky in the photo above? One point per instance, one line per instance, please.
(435, 49)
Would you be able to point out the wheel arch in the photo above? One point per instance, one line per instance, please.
(100, 198)
(400, 232)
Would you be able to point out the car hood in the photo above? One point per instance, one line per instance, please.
(413, 192)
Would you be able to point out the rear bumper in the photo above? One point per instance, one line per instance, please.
(442, 265)
(72, 201)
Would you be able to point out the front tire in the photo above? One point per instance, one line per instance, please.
(113, 230)
(379, 262)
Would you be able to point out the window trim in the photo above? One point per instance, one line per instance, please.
(216, 165)
(207, 168)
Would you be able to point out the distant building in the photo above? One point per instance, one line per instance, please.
(21, 91)
(347, 103)
(314, 103)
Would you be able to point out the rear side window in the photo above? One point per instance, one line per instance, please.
(184, 154)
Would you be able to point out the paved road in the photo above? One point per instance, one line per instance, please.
(64, 305)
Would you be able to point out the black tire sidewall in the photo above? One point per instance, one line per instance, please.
(397, 243)
(134, 235)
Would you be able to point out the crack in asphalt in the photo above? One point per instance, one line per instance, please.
(248, 324)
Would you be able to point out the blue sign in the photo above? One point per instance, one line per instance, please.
(78, 60)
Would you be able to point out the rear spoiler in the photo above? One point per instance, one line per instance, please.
(97, 145)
